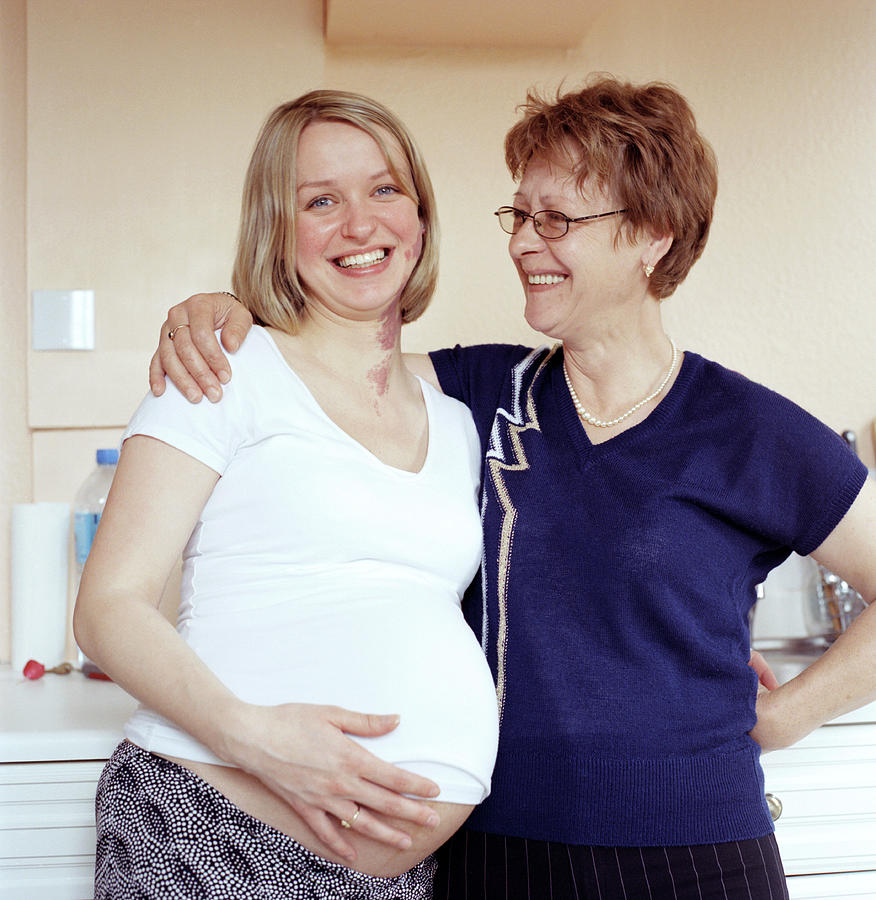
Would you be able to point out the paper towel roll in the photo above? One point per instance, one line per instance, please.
(40, 547)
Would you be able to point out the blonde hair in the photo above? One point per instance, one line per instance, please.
(642, 143)
(264, 276)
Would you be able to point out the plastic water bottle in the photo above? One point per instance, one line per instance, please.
(87, 510)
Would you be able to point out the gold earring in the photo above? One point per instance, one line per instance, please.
(648, 269)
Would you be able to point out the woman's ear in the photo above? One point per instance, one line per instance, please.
(656, 248)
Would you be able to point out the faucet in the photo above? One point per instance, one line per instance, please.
(838, 603)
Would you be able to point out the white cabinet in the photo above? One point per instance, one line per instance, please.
(47, 816)
(55, 735)
(860, 885)
(826, 785)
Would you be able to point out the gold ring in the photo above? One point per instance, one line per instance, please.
(174, 330)
(349, 824)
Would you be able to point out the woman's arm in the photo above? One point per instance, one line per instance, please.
(300, 751)
(193, 360)
(844, 678)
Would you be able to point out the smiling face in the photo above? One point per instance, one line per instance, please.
(358, 235)
(572, 282)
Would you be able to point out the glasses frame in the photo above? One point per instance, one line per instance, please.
(554, 212)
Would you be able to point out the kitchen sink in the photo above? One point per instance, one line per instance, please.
(788, 657)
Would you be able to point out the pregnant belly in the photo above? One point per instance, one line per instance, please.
(412, 656)
(372, 857)
(408, 653)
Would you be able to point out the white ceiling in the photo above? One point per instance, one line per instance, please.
(458, 23)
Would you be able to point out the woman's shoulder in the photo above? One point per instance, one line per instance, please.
(494, 357)
(722, 393)
(711, 381)
(708, 371)
(257, 352)
(251, 365)
(445, 411)
(259, 372)
(482, 364)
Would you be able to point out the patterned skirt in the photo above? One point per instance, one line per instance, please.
(164, 833)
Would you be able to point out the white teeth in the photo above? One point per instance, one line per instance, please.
(362, 259)
(545, 279)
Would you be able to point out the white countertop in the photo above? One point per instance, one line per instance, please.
(60, 717)
(71, 717)
(864, 715)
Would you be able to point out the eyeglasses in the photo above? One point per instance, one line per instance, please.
(548, 223)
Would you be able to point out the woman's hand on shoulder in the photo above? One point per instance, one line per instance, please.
(303, 754)
(192, 358)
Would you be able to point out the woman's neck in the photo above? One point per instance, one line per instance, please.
(364, 356)
(613, 366)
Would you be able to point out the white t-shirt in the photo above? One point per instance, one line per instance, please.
(318, 574)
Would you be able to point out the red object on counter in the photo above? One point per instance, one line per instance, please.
(34, 670)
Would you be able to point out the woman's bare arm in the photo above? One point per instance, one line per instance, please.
(844, 678)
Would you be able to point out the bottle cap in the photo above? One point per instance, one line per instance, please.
(107, 457)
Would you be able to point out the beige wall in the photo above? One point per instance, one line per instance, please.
(15, 453)
(140, 118)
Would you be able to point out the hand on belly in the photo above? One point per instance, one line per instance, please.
(373, 857)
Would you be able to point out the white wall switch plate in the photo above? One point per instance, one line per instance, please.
(63, 320)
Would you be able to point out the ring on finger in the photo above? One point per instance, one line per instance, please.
(353, 818)
(172, 333)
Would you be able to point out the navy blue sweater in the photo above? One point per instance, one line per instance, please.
(615, 589)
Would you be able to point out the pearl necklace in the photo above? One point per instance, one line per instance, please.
(599, 423)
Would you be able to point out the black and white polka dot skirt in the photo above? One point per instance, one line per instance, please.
(163, 833)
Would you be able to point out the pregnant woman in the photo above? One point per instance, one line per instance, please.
(327, 517)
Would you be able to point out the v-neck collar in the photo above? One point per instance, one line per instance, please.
(585, 448)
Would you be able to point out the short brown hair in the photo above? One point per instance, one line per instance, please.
(641, 143)
(264, 276)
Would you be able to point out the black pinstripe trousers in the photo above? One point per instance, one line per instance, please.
(477, 866)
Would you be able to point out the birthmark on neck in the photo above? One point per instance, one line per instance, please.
(387, 339)
(390, 328)
(379, 375)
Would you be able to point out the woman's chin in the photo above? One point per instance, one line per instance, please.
(539, 321)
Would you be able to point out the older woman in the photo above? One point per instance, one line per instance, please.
(633, 497)
(327, 516)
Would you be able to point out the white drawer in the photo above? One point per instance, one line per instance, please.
(47, 879)
(827, 787)
(47, 830)
(861, 885)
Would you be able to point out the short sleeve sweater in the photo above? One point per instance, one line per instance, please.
(318, 574)
(615, 589)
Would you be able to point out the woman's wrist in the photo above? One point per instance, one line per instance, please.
(787, 714)
(231, 724)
